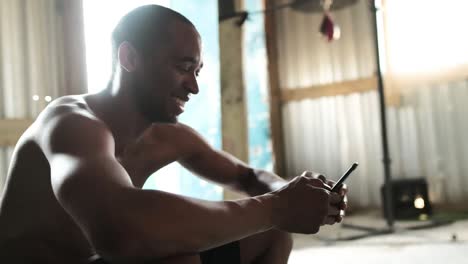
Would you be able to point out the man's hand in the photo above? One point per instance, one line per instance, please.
(305, 204)
(343, 204)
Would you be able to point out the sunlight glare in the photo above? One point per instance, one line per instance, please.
(100, 18)
(426, 35)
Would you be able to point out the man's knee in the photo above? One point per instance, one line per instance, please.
(188, 259)
(259, 246)
(282, 239)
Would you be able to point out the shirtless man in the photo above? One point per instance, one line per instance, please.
(73, 193)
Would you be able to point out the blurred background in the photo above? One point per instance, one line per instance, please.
(288, 86)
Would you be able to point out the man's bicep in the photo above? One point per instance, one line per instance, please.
(81, 183)
(92, 192)
(76, 179)
(79, 148)
(84, 172)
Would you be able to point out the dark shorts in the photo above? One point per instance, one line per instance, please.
(225, 254)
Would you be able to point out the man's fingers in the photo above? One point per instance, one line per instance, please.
(318, 184)
(343, 205)
(343, 190)
(330, 220)
(322, 178)
(335, 198)
(333, 210)
(338, 219)
(308, 174)
(318, 180)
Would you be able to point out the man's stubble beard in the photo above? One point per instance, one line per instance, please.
(149, 109)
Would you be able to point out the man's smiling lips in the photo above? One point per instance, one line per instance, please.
(180, 102)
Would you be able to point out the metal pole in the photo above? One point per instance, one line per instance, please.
(383, 119)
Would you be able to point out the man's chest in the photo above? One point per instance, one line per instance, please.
(141, 161)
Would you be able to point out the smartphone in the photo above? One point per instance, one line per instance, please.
(336, 187)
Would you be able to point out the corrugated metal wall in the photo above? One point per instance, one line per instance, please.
(31, 61)
(329, 133)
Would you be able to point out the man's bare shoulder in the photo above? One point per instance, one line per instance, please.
(68, 125)
(173, 129)
(175, 133)
(66, 105)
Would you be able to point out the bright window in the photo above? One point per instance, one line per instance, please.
(426, 36)
(100, 18)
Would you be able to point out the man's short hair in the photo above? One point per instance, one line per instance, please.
(144, 27)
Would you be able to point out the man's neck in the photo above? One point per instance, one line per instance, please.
(117, 109)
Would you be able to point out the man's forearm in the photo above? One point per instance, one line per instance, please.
(258, 182)
(163, 224)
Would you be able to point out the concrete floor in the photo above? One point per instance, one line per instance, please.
(447, 244)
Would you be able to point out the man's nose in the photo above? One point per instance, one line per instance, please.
(192, 84)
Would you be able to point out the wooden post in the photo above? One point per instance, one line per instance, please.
(276, 123)
(233, 100)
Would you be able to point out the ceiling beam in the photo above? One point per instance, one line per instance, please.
(332, 89)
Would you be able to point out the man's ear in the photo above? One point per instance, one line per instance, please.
(128, 57)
